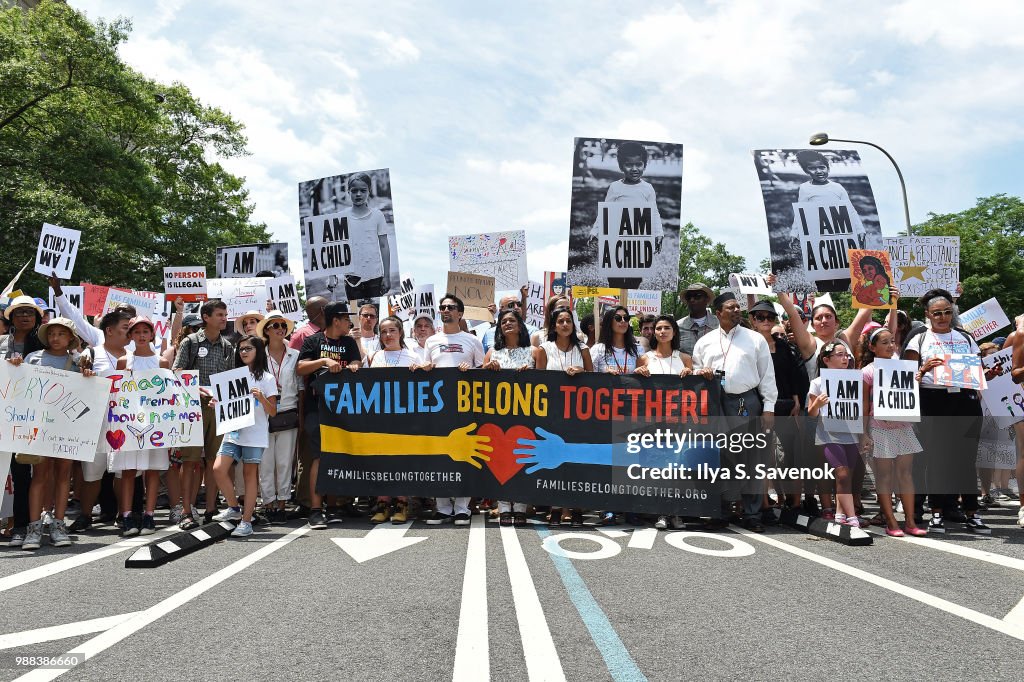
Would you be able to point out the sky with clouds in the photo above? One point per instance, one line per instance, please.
(474, 106)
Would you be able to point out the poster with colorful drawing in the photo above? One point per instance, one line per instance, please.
(870, 279)
(1003, 398)
(502, 255)
(960, 370)
(923, 263)
(153, 409)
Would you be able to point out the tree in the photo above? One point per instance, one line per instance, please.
(700, 260)
(88, 143)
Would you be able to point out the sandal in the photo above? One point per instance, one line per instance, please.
(916, 532)
(505, 519)
(555, 516)
(566, 517)
(519, 520)
(188, 523)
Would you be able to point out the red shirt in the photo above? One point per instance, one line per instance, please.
(301, 334)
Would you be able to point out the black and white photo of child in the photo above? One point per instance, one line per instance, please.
(826, 176)
(364, 199)
(632, 172)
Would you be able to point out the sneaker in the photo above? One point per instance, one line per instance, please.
(988, 501)
(34, 536)
(177, 514)
(81, 524)
(936, 525)
(1020, 519)
(188, 523)
(211, 515)
(229, 514)
(677, 523)
(131, 527)
(148, 525)
(382, 515)
(47, 519)
(506, 519)
(334, 515)
(661, 523)
(839, 518)
(317, 520)
(462, 519)
(163, 501)
(260, 518)
(955, 516)
(577, 519)
(401, 513)
(74, 506)
(608, 519)
(975, 525)
(59, 534)
(437, 518)
(17, 538)
(243, 529)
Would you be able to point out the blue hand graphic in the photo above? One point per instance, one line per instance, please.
(550, 451)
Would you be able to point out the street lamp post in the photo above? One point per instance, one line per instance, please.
(823, 138)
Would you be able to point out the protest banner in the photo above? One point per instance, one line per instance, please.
(870, 278)
(476, 292)
(142, 301)
(235, 408)
(554, 285)
(151, 409)
(984, 319)
(923, 263)
(240, 294)
(189, 283)
(643, 250)
(284, 297)
(895, 393)
(57, 251)
(752, 283)
(348, 236)
(249, 260)
(74, 295)
(401, 304)
(585, 441)
(1003, 398)
(425, 303)
(845, 389)
(50, 412)
(534, 313)
(502, 255)
(642, 302)
(960, 370)
(808, 250)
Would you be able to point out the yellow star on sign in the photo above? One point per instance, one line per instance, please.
(911, 271)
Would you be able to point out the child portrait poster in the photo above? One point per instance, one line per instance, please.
(960, 370)
(870, 278)
(360, 262)
(601, 174)
(825, 177)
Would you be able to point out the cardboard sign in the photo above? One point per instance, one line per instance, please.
(240, 294)
(984, 319)
(960, 370)
(1003, 398)
(476, 291)
(141, 301)
(74, 295)
(534, 312)
(424, 301)
(923, 263)
(870, 278)
(329, 251)
(642, 302)
(750, 283)
(57, 251)
(844, 410)
(502, 255)
(235, 408)
(284, 297)
(895, 393)
(152, 409)
(625, 239)
(401, 305)
(247, 260)
(827, 232)
(50, 412)
(189, 283)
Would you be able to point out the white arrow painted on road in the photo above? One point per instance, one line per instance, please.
(382, 540)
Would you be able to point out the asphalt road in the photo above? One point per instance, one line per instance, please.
(504, 604)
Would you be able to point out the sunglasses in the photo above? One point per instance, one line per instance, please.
(23, 311)
(277, 325)
(246, 349)
(941, 313)
(694, 294)
(369, 316)
(622, 318)
(763, 317)
(447, 306)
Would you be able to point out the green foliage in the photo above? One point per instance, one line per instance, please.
(700, 260)
(88, 143)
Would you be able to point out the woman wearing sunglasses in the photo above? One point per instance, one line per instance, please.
(276, 465)
(616, 351)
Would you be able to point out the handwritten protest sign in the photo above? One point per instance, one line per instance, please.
(750, 283)
(642, 302)
(50, 412)
(961, 370)
(151, 409)
(240, 294)
(1003, 398)
(502, 255)
(625, 239)
(827, 231)
(74, 295)
(235, 407)
(895, 393)
(57, 251)
(534, 312)
(424, 301)
(142, 301)
(870, 277)
(284, 297)
(476, 291)
(923, 263)
(984, 319)
(401, 304)
(95, 297)
(845, 389)
(189, 283)
(248, 260)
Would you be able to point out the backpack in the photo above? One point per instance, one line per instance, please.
(193, 341)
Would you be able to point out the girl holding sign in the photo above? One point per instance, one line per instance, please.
(894, 443)
(840, 448)
(246, 445)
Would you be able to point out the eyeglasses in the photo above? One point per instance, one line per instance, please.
(763, 317)
(246, 349)
(23, 311)
(277, 325)
(694, 294)
(622, 318)
(447, 306)
(941, 313)
(369, 316)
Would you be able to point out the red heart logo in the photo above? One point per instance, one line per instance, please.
(503, 461)
(115, 439)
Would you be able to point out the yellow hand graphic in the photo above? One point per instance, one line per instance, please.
(459, 444)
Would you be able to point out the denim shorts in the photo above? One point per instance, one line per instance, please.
(241, 453)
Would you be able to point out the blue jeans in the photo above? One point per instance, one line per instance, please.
(241, 453)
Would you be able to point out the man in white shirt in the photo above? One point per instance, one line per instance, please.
(743, 362)
(698, 323)
(453, 347)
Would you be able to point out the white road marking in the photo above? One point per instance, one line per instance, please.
(1016, 615)
(76, 560)
(104, 641)
(542, 662)
(55, 632)
(1010, 629)
(643, 538)
(737, 548)
(382, 539)
(608, 548)
(472, 655)
(960, 550)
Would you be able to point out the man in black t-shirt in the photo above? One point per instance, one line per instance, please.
(330, 350)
